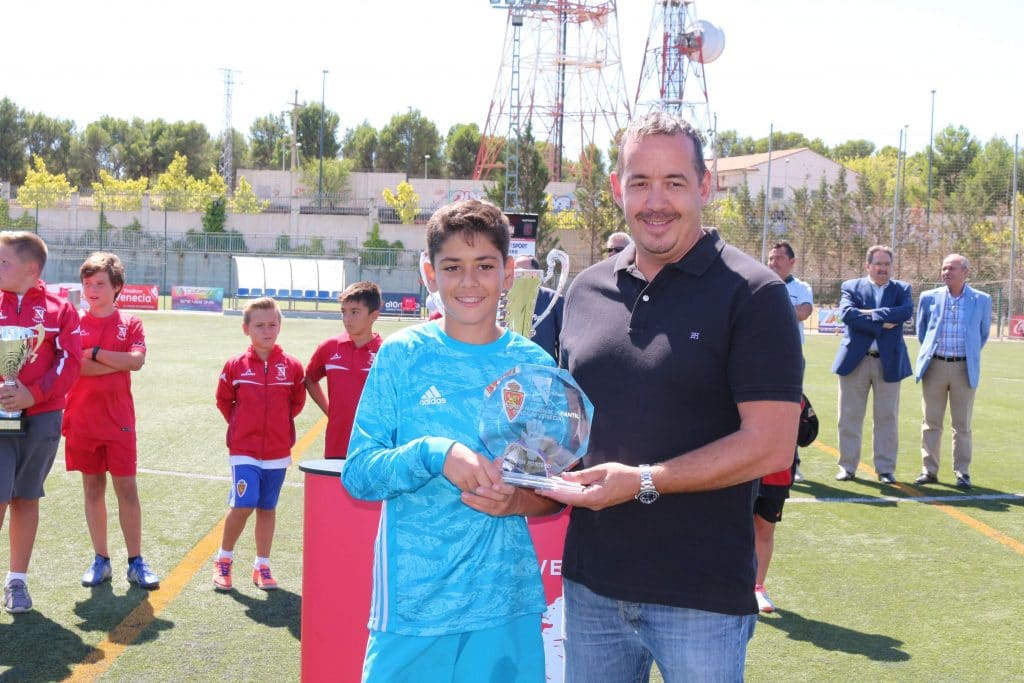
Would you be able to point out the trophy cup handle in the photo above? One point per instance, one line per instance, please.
(562, 259)
(40, 337)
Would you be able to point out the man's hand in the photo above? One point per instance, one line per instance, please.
(17, 397)
(889, 326)
(608, 484)
(469, 470)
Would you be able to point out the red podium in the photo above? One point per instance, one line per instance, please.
(339, 531)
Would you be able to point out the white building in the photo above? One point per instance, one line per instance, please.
(790, 169)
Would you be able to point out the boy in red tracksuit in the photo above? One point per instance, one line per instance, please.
(38, 391)
(259, 393)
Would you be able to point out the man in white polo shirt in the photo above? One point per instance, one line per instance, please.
(781, 259)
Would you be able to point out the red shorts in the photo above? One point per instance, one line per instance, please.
(96, 456)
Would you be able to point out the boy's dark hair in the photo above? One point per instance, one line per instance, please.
(468, 218)
(104, 262)
(362, 292)
(27, 245)
(264, 303)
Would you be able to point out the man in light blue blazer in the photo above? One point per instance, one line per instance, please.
(953, 324)
(872, 358)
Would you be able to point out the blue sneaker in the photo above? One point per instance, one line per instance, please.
(98, 572)
(140, 573)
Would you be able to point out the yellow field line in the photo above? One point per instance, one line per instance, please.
(103, 656)
(957, 514)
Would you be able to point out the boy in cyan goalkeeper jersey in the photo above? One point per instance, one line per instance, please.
(457, 591)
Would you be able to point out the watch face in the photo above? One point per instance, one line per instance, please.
(647, 497)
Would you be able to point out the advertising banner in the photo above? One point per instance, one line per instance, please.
(208, 299)
(400, 303)
(829, 322)
(1017, 326)
(139, 297)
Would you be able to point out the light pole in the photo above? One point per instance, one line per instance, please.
(931, 138)
(426, 158)
(320, 180)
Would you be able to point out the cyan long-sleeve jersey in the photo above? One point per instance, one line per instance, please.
(440, 567)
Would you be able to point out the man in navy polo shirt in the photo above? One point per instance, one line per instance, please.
(690, 352)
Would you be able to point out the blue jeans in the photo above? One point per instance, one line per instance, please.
(615, 641)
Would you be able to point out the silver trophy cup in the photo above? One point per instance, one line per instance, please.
(18, 346)
(516, 309)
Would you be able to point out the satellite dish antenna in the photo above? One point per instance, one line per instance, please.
(712, 41)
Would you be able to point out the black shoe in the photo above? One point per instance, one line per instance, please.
(844, 475)
(963, 481)
(886, 478)
(927, 478)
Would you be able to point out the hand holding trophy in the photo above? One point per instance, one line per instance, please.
(18, 346)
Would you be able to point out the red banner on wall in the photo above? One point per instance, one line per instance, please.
(1017, 326)
(139, 297)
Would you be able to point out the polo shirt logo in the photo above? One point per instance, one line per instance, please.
(694, 336)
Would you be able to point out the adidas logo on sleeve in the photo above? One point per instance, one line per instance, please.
(432, 397)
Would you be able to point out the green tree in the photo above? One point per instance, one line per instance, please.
(13, 134)
(114, 194)
(405, 201)
(533, 182)
(215, 216)
(42, 188)
(245, 200)
(360, 147)
(852, 149)
(336, 177)
(954, 150)
(460, 150)
(404, 143)
(268, 138)
(188, 139)
(180, 191)
(307, 132)
(50, 140)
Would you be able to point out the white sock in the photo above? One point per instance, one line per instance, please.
(15, 575)
(261, 560)
(225, 554)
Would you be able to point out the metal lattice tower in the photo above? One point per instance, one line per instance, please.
(561, 74)
(672, 77)
(227, 154)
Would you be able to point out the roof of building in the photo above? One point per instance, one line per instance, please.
(750, 161)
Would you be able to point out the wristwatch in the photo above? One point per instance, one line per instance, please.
(95, 350)
(647, 493)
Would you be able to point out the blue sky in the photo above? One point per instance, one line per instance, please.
(832, 69)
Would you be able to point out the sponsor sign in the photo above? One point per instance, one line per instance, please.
(139, 297)
(400, 303)
(522, 247)
(829, 321)
(1017, 326)
(209, 299)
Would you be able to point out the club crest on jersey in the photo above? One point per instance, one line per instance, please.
(240, 487)
(122, 332)
(512, 397)
(39, 314)
(282, 371)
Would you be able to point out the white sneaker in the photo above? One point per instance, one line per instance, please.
(798, 476)
(764, 603)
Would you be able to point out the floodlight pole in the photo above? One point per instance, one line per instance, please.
(931, 138)
(320, 181)
(767, 190)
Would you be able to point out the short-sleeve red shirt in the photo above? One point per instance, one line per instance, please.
(101, 406)
(346, 368)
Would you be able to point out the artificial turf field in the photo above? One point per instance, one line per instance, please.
(872, 582)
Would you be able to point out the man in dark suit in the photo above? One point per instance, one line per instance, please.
(872, 357)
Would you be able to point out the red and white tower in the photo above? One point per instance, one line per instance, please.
(672, 77)
(561, 74)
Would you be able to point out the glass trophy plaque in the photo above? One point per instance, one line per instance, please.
(537, 419)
